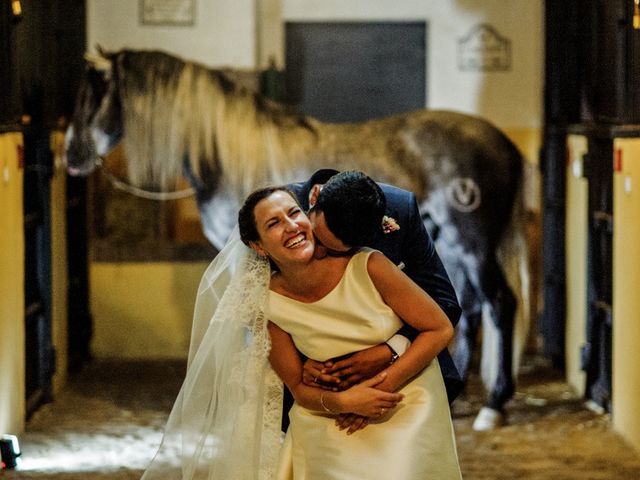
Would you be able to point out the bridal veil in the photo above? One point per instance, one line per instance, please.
(225, 423)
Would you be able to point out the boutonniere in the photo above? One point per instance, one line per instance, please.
(389, 224)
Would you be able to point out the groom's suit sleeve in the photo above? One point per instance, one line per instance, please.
(423, 265)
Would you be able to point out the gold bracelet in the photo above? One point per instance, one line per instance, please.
(326, 409)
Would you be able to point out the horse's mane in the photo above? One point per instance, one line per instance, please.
(175, 110)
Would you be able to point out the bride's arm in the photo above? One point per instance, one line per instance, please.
(416, 308)
(362, 399)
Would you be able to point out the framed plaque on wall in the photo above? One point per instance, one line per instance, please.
(167, 12)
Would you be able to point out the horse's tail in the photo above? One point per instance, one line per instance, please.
(513, 257)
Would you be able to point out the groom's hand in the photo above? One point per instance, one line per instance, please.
(361, 365)
(314, 374)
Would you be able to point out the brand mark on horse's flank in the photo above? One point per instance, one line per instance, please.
(464, 194)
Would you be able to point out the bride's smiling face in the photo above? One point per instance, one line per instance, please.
(284, 229)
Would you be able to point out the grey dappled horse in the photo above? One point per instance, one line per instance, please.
(179, 118)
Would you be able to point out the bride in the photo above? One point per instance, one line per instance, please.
(274, 299)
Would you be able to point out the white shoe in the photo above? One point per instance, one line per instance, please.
(488, 419)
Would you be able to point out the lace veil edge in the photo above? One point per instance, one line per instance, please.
(225, 423)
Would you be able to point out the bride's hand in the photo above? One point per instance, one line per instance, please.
(351, 422)
(366, 400)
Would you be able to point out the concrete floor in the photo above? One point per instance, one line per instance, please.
(108, 422)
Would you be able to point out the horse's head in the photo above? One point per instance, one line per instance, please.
(96, 125)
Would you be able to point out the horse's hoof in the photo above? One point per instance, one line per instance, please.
(488, 419)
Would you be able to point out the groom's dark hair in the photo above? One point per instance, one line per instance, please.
(353, 206)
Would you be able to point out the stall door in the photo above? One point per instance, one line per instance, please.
(597, 353)
(626, 301)
(39, 353)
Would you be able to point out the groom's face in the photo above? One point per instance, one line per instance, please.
(324, 237)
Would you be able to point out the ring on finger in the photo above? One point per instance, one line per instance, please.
(315, 379)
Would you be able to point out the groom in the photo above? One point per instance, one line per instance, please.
(338, 220)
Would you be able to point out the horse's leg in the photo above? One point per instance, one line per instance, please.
(502, 302)
(458, 264)
(478, 279)
(503, 308)
(467, 329)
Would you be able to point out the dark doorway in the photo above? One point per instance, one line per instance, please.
(348, 72)
(597, 353)
(39, 353)
(80, 327)
(46, 58)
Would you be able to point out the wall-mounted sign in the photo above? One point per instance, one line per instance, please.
(483, 48)
(167, 12)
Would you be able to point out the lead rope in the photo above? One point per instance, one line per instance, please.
(140, 192)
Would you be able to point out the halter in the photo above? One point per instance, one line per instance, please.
(140, 192)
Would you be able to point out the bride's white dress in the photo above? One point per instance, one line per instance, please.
(414, 441)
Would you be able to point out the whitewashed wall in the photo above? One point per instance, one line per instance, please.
(223, 33)
(244, 33)
(510, 99)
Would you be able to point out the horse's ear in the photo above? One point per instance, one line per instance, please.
(99, 62)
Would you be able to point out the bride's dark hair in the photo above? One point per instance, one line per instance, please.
(246, 216)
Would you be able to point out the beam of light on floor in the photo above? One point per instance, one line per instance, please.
(90, 453)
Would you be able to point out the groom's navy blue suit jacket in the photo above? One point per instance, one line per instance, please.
(412, 246)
